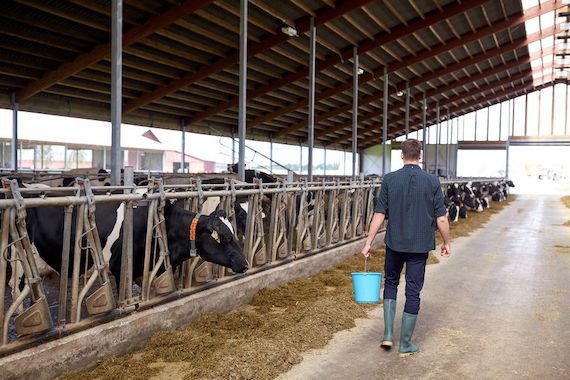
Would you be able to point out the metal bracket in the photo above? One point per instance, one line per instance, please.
(12, 185)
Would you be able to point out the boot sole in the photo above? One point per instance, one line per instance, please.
(406, 354)
(387, 345)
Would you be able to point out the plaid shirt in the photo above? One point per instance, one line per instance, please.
(411, 199)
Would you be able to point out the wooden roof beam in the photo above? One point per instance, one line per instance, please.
(484, 102)
(101, 51)
(461, 96)
(453, 100)
(302, 25)
(478, 95)
(487, 99)
(381, 39)
(421, 57)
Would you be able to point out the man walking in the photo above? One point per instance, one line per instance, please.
(412, 202)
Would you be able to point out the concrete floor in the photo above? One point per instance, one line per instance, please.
(498, 308)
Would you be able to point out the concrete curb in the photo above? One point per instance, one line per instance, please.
(82, 350)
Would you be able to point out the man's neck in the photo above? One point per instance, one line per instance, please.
(412, 163)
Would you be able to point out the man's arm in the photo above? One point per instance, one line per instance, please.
(380, 211)
(375, 225)
(443, 227)
(441, 219)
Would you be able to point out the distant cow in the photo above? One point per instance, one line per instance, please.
(452, 209)
(469, 198)
(456, 196)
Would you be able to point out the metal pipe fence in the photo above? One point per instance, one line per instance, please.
(285, 221)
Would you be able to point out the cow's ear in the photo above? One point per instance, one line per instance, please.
(220, 213)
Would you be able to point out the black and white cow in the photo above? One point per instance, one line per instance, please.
(469, 198)
(452, 209)
(455, 195)
(496, 192)
(480, 190)
(215, 241)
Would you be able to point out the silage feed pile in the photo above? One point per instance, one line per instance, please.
(266, 337)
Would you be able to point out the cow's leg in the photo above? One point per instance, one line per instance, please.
(44, 270)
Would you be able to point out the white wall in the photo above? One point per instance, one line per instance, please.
(372, 160)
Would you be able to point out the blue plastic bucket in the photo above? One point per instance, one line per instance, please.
(367, 287)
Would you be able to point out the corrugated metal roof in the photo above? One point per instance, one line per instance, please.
(432, 44)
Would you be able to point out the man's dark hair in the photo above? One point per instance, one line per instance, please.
(411, 149)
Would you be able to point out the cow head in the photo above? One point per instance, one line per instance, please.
(215, 241)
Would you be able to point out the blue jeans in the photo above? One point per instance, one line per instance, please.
(415, 272)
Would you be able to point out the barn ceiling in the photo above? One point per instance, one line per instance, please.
(180, 61)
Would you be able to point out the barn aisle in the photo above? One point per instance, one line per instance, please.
(498, 308)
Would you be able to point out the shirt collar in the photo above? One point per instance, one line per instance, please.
(411, 166)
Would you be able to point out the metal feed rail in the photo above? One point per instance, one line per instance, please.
(286, 221)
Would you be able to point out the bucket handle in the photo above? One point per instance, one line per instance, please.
(365, 264)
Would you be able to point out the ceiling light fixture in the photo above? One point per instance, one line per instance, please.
(360, 71)
(290, 31)
(400, 93)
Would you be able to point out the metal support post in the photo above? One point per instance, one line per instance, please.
(116, 90)
(488, 122)
(14, 150)
(65, 157)
(300, 157)
(539, 108)
(325, 161)
(233, 148)
(451, 144)
(475, 132)
(183, 154)
(311, 114)
(512, 122)
(354, 109)
(424, 131)
(242, 87)
(407, 116)
(552, 111)
(271, 153)
(385, 121)
(566, 112)
(447, 145)
(500, 120)
(526, 114)
(511, 104)
(344, 161)
(437, 140)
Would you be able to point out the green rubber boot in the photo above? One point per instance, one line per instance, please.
(406, 346)
(389, 314)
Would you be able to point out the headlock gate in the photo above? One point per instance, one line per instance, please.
(284, 222)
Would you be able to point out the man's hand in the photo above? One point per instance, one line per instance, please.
(366, 250)
(445, 250)
(377, 221)
(443, 226)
